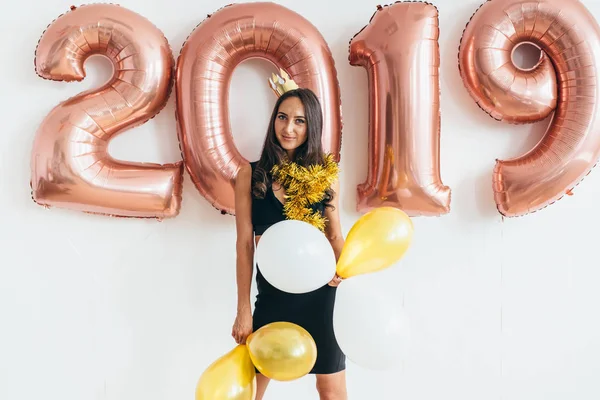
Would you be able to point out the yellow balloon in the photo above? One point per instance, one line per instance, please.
(231, 377)
(376, 241)
(282, 351)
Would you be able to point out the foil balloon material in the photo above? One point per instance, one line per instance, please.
(564, 82)
(282, 351)
(231, 377)
(205, 66)
(70, 164)
(399, 50)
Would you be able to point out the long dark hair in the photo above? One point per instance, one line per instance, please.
(309, 153)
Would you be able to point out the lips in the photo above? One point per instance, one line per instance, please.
(285, 137)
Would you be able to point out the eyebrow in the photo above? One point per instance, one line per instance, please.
(297, 116)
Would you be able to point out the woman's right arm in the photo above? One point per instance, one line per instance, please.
(242, 326)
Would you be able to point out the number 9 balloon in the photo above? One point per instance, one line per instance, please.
(565, 80)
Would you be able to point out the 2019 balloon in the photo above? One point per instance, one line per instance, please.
(70, 164)
(204, 69)
(564, 81)
(400, 51)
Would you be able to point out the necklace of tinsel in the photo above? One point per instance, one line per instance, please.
(305, 186)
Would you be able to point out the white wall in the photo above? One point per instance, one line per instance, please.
(97, 308)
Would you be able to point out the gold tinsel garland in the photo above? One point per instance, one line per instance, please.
(305, 186)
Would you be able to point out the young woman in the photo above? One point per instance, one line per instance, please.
(293, 135)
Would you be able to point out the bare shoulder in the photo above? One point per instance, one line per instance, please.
(244, 175)
(243, 181)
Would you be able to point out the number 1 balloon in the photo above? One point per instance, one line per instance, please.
(400, 52)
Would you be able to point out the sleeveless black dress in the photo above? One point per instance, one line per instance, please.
(313, 310)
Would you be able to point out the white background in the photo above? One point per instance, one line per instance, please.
(98, 308)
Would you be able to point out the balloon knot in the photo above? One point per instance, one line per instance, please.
(73, 8)
(379, 7)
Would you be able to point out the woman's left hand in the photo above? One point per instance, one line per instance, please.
(335, 281)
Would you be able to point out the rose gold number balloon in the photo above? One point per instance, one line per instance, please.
(70, 164)
(204, 69)
(569, 39)
(400, 52)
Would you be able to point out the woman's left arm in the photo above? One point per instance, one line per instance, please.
(333, 228)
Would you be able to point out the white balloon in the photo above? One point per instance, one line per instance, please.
(370, 328)
(295, 257)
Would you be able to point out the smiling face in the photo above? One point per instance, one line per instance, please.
(290, 125)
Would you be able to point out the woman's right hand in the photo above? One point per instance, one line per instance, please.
(242, 327)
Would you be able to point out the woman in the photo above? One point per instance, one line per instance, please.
(293, 135)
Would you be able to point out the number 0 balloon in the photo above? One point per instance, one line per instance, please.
(204, 69)
(565, 80)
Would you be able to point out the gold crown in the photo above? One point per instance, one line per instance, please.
(281, 84)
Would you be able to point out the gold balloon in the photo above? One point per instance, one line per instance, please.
(377, 240)
(282, 351)
(231, 377)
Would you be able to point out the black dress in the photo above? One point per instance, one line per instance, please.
(313, 310)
